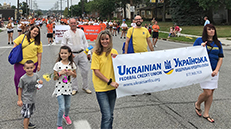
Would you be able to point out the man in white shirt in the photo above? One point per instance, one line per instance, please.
(76, 40)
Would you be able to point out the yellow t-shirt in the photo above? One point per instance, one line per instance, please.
(29, 51)
(139, 39)
(104, 64)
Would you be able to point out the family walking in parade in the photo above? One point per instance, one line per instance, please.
(73, 59)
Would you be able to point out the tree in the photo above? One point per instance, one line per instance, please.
(211, 5)
(186, 12)
(24, 7)
(76, 10)
(13, 7)
(65, 13)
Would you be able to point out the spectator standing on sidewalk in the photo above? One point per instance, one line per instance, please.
(76, 40)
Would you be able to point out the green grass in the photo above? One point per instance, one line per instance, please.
(177, 39)
(222, 30)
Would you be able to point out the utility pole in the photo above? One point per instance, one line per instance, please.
(26, 7)
(68, 8)
(18, 9)
(71, 9)
(61, 7)
(132, 13)
(82, 3)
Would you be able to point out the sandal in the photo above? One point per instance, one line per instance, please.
(208, 118)
(198, 111)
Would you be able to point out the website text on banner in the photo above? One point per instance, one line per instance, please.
(91, 32)
(161, 70)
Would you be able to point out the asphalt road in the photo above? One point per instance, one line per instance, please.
(166, 110)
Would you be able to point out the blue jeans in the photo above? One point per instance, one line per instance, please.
(64, 106)
(106, 102)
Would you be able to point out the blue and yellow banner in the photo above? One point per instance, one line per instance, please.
(147, 72)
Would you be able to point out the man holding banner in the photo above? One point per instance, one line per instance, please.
(76, 40)
(140, 38)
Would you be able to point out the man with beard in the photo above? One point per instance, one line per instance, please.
(140, 37)
(76, 40)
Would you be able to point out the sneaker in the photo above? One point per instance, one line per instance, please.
(67, 120)
(8, 43)
(31, 126)
(124, 37)
(87, 91)
(120, 37)
(60, 127)
(74, 92)
(12, 42)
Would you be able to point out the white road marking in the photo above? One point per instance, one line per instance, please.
(82, 124)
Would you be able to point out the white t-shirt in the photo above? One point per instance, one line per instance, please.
(124, 25)
(18, 26)
(62, 88)
(76, 41)
(12, 24)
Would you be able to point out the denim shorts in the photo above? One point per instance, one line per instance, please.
(27, 110)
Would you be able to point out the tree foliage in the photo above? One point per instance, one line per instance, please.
(24, 6)
(214, 4)
(186, 12)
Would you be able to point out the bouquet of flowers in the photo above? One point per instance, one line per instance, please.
(48, 76)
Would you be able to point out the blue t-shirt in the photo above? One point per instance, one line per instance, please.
(213, 54)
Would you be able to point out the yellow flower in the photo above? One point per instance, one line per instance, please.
(47, 77)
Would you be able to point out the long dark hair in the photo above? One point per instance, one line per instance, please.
(70, 58)
(37, 38)
(205, 35)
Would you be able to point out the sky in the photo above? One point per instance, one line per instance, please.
(43, 4)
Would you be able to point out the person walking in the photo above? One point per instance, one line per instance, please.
(10, 31)
(206, 21)
(27, 92)
(103, 77)
(215, 53)
(49, 32)
(155, 33)
(63, 70)
(32, 50)
(124, 27)
(76, 40)
(140, 38)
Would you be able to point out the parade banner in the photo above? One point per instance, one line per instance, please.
(91, 31)
(148, 72)
(59, 31)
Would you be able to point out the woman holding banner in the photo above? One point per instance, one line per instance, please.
(215, 53)
(103, 77)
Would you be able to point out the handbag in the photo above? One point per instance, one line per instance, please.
(130, 45)
(15, 55)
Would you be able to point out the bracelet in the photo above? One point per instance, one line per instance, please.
(59, 74)
(110, 81)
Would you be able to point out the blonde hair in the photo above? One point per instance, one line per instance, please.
(98, 49)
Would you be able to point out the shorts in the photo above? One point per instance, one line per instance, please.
(27, 110)
(40, 25)
(211, 84)
(10, 31)
(19, 30)
(155, 35)
(49, 35)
